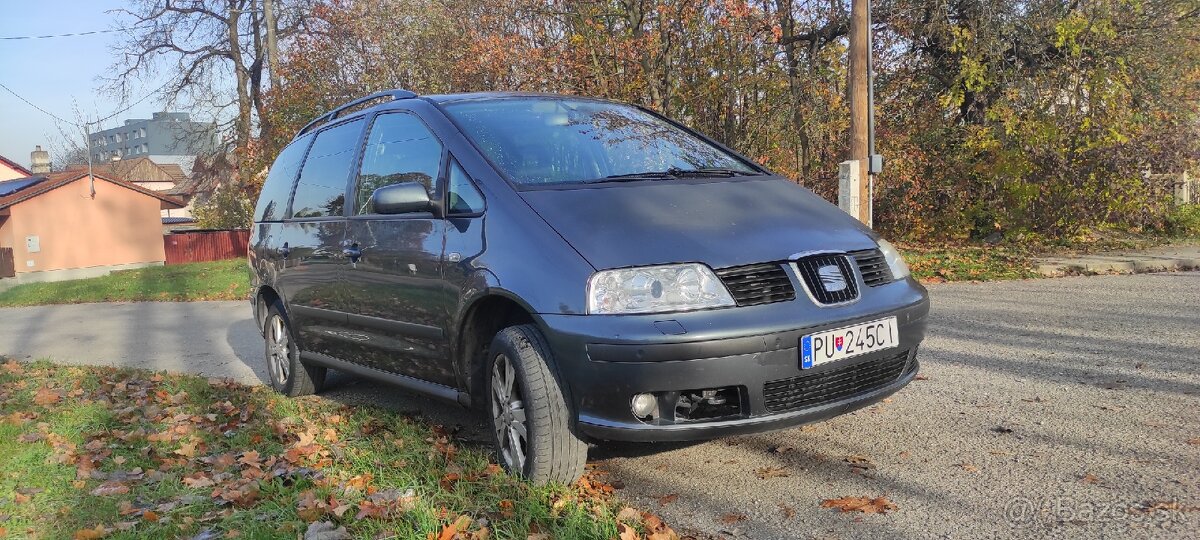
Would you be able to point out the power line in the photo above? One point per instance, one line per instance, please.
(85, 124)
(72, 34)
(44, 111)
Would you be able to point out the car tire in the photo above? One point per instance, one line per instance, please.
(289, 376)
(525, 397)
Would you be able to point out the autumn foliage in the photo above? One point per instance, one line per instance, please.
(1009, 117)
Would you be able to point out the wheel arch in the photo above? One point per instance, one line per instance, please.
(488, 312)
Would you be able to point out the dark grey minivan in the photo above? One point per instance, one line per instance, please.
(577, 268)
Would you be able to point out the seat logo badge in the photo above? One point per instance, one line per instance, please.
(831, 278)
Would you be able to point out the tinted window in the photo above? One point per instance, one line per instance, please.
(272, 202)
(552, 140)
(321, 190)
(399, 149)
(464, 197)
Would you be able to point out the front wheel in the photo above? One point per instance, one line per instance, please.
(289, 376)
(531, 421)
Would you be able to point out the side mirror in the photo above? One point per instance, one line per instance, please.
(402, 198)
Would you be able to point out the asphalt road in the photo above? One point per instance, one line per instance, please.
(1062, 408)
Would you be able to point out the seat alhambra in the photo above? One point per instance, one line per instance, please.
(577, 269)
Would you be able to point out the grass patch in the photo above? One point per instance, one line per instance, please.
(91, 452)
(935, 264)
(217, 280)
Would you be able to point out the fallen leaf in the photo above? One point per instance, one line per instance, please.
(150, 515)
(780, 449)
(731, 518)
(448, 481)
(667, 499)
(626, 532)
(91, 534)
(968, 467)
(460, 525)
(110, 488)
(21, 498)
(1090, 478)
(47, 396)
(866, 505)
(324, 530)
(771, 472)
(860, 462)
(920, 378)
(788, 511)
(629, 515)
(506, 508)
(1194, 441)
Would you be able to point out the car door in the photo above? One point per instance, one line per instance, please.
(398, 302)
(312, 236)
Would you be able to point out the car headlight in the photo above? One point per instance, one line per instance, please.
(895, 262)
(656, 289)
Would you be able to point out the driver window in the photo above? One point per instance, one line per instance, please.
(399, 149)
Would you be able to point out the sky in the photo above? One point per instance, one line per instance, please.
(58, 73)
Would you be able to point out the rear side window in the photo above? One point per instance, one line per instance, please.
(321, 190)
(399, 149)
(272, 202)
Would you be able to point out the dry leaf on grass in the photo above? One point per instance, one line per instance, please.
(47, 396)
(866, 505)
(91, 534)
(324, 530)
(110, 488)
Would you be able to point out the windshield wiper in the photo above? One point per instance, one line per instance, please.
(634, 177)
(706, 172)
(674, 172)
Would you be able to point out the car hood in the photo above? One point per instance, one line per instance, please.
(719, 222)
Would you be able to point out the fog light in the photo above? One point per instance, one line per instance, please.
(644, 405)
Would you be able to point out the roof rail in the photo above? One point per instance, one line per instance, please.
(395, 94)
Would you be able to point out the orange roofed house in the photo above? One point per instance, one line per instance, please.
(63, 226)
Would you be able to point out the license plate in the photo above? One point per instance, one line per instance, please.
(847, 342)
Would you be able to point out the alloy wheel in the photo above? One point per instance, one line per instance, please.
(508, 414)
(278, 351)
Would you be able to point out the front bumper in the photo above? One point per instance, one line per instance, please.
(605, 360)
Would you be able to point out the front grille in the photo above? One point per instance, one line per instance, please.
(836, 285)
(873, 267)
(756, 284)
(833, 385)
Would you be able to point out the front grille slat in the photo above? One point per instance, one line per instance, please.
(756, 284)
(833, 385)
(872, 266)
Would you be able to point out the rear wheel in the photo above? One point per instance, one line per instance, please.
(289, 376)
(531, 421)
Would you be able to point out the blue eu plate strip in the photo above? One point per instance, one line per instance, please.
(806, 355)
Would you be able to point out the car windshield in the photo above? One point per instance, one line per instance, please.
(541, 140)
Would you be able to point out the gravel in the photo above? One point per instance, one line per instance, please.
(1062, 408)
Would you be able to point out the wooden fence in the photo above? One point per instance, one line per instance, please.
(8, 267)
(198, 246)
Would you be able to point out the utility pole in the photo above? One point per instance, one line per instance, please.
(860, 113)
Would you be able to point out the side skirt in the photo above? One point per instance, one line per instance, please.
(411, 384)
